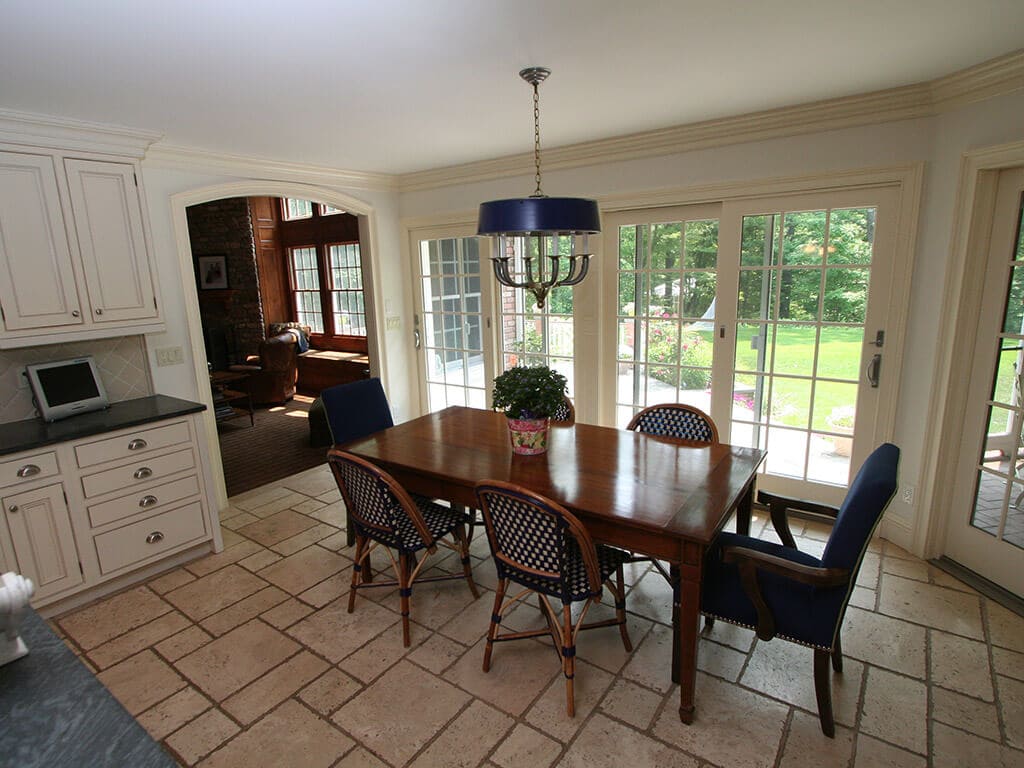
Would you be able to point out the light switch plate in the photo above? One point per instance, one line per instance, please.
(170, 356)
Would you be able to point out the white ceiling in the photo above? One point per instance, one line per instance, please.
(403, 85)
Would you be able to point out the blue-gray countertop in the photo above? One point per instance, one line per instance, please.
(55, 713)
(17, 436)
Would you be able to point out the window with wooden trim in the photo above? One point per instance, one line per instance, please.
(325, 273)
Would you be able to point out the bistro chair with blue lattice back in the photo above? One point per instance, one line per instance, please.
(385, 516)
(680, 422)
(781, 592)
(677, 420)
(540, 546)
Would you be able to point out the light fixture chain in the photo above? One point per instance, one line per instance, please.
(536, 138)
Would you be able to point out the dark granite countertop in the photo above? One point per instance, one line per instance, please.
(54, 712)
(17, 436)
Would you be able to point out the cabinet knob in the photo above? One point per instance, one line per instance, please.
(75, 313)
(137, 444)
(99, 311)
(28, 470)
(12, 508)
(154, 537)
(148, 501)
(142, 473)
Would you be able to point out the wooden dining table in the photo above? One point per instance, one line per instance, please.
(654, 496)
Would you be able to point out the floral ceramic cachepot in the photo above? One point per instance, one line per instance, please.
(529, 436)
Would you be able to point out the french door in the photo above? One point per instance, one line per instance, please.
(985, 531)
(770, 314)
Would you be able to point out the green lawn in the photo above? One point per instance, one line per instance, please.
(839, 354)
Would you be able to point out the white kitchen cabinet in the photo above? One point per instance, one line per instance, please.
(75, 261)
(42, 539)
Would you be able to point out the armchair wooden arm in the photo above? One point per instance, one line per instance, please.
(778, 506)
(750, 561)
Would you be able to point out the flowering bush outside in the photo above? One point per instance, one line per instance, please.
(666, 347)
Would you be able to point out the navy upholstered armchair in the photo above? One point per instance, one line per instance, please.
(782, 592)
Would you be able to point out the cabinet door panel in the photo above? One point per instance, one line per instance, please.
(44, 544)
(108, 221)
(37, 281)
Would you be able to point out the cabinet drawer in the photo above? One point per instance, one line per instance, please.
(143, 471)
(149, 538)
(132, 443)
(28, 468)
(142, 500)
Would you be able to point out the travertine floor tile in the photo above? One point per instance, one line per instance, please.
(207, 565)
(651, 597)
(334, 633)
(740, 638)
(233, 660)
(548, 712)
(318, 532)
(257, 698)
(277, 527)
(170, 580)
(437, 653)
(297, 573)
(1006, 628)
(330, 691)
(244, 610)
(173, 712)
(526, 746)
(520, 670)
(137, 639)
(786, 671)
(629, 702)
(360, 758)
(807, 747)
(97, 623)
(603, 742)
(204, 734)
(332, 514)
(141, 681)
(603, 647)
(173, 648)
(737, 728)
(965, 713)
(961, 665)
(895, 710)
(467, 740)
(209, 594)
(235, 522)
(331, 588)
(1009, 663)
(284, 614)
(956, 749)
(1011, 694)
(370, 661)
(933, 606)
(872, 753)
(651, 662)
(884, 641)
(229, 538)
(260, 560)
(259, 496)
(418, 704)
(720, 660)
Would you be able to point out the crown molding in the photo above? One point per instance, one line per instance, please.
(25, 128)
(991, 78)
(187, 158)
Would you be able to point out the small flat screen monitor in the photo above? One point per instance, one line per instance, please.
(66, 387)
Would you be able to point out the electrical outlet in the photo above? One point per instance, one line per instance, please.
(23, 380)
(908, 494)
(170, 356)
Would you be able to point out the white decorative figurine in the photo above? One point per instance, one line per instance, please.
(15, 592)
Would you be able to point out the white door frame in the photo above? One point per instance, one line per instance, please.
(965, 274)
(256, 188)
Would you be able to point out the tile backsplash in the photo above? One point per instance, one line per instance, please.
(122, 363)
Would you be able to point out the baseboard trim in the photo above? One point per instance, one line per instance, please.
(989, 589)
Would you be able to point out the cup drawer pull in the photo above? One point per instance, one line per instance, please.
(148, 501)
(154, 537)
(29, 470)
(137, 444)
(142, 473)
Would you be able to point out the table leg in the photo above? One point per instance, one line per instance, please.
(744, 509)
(686, 623)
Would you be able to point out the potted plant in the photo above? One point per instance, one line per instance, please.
(840, 420)
(529, 396)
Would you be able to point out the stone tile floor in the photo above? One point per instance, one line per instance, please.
(249, 658)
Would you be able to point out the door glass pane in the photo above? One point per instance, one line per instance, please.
(799, 344)
(999, 496)
(532, 336)
(451, 331)
(666, 314)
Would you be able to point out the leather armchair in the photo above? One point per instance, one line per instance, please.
(273, 371)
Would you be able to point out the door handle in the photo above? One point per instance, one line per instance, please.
(874, 370)
(416, 338)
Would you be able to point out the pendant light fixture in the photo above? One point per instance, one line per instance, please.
(540, 219)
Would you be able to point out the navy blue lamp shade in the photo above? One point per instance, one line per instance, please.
(539, 215)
